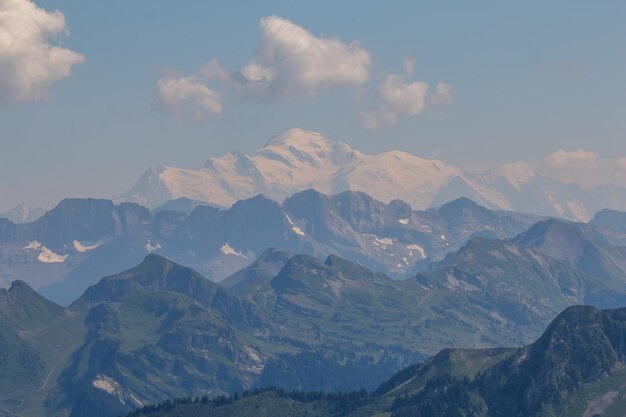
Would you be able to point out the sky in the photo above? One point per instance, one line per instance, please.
(94, 93)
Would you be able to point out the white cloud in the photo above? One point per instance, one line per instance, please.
(292, 62)
(571, 159)
(29, 63)
(409, 65)
(442, 96)
(289, 62)
(213, 69)
(187, 99)
(584, 167)
(396, 98)
(401, 97)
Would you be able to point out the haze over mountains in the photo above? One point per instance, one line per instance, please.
(455, 247)
(325, 292)
(300, 159)
(161, 330)
(574, 369)
(80, 240)
(317, 292)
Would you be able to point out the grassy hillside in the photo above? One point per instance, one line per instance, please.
(574, 369)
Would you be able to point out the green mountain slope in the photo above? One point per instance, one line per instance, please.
(513, 290)
(161, 330)
(576, 246)
(36, 338)
(157, 274)
(574, 369)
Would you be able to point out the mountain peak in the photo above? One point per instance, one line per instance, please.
(269, 263)
(582, 345)
(153, 259)
(458, 210)
(461, 202)
(19, 285)
(551, 230)
(154, 273)
(21, 306)
(305, 152)
(299, 159)
(297, 136)
(610, 219)
(517, 174)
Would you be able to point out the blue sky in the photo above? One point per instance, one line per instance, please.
(527, 78)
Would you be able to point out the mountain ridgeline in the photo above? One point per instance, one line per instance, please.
(574, 369)
(81, 240)
(161, 330)
(300, 159)
(305, 315)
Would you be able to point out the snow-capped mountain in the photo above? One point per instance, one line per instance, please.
(292, 162)
(81, 240)
(301, 159)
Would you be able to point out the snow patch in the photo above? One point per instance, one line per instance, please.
(257, 363)
(418, 248)
(295, 228)
(110, 386)
(35, 245)
(403, 221)
(45, 254)
(105, 383)
(49, 257)
(336, 287)
(151, 248)
(226, 249)
(381, 242)
(84, 248)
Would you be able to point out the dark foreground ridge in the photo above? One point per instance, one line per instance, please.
(573, 369)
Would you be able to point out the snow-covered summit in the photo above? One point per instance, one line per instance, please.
(301, 159)
(293, 161)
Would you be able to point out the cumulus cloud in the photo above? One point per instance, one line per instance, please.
(409, 65)
(584, 167)
(291, 62)
(442, 96)
(396, 98)
(576, 166)
(212, 70)
(569, 159)
(187, 99)
(29, 63)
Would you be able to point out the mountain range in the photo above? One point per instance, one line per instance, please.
(317, 293)
(298, 160)
(80, 240)
(161, 330)
(574, 369)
